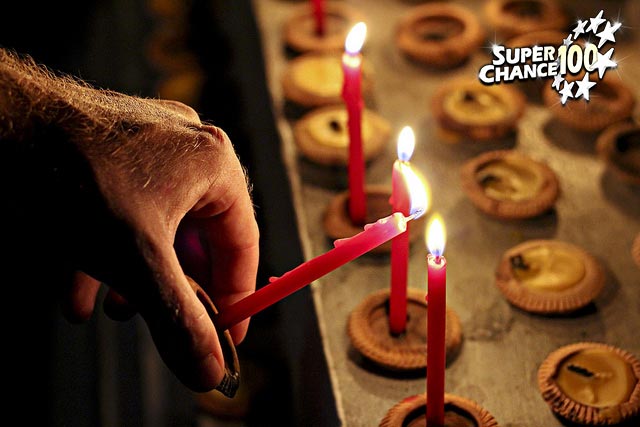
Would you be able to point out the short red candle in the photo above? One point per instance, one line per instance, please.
(436, 325)
(344, 251)
(318, 14)
(352, 96)
(400, 202)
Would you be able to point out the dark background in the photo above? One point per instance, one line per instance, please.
(105, 373)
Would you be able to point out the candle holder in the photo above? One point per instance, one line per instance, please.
(509, 18)
(459, 412)
(566, 278)
(368, 329)
(465, 109)
(591, 383)
(322, 135)
(300, 33)
(338, 225)
(231, 380)
(618, 146)
(509, 185)
(600, 112)
(439, 35)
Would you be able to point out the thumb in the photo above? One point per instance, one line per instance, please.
(181, 329)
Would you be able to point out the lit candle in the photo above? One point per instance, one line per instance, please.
(318, 13)
(400, 202)
(436, 321)
(344, 251)
(352, 96)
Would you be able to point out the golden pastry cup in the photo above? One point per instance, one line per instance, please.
(439, 34)
(310, 98)
(329, 154)
(513, 100)
(610, 101)
(300, 29)
(509, 18)
(542, 202)
(565, 407)
(368, 330)
(411, 412)
(635, 250)
(551, 302)
(616, 142)
(338, 225)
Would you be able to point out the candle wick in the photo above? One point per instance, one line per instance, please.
(418, 213)
(580, 370)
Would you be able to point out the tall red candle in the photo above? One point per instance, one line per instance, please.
(352, 96)
(400, 202)
(319, 15)
(436, 323)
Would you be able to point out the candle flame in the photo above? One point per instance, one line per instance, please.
(436, 235)
(418, 191)
(406, 144)
(355, 38)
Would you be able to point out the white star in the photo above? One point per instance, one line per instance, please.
(595, 22)
(579, 28)
(583, 87)
(557, 79)
(607, 34)
(566, 92)
(604, 62)
(567, 41)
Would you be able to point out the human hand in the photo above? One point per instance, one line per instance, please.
(187, 188)
(172, 180)
(135, 193)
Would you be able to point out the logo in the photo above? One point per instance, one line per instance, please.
(527, 63)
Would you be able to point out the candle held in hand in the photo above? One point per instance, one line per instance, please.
(400, 202)
(352, 96)
(436, 321)
(344, 251)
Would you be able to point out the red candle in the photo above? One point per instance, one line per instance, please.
(344, 251)
(400, 202)
(318, 14)
(352, 96)
(436, 322)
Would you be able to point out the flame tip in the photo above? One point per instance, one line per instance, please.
(406, 144)
(436, 235)
(355, 38)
